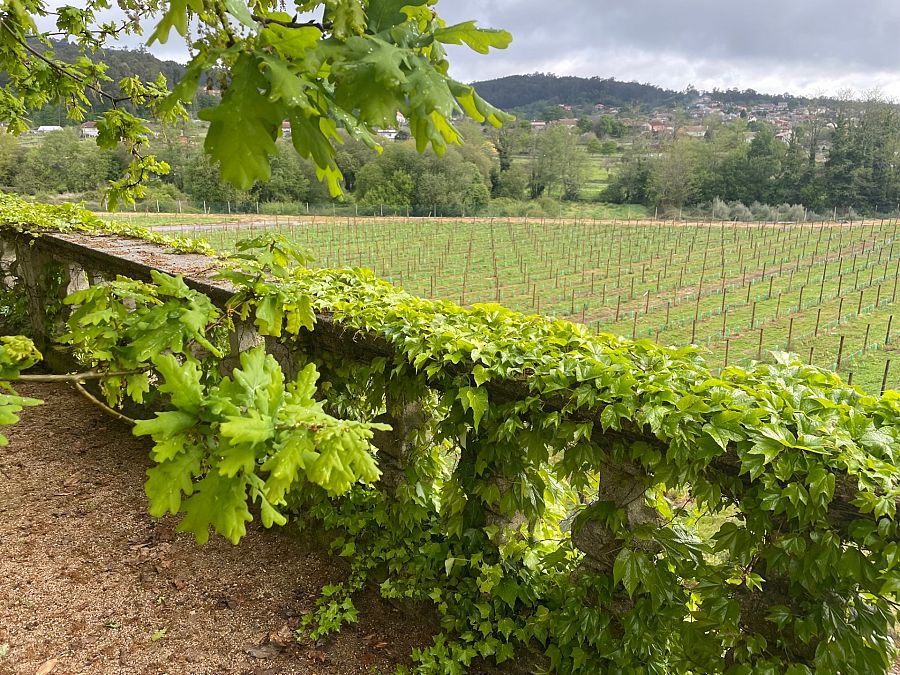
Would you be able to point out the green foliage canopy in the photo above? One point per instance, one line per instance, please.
(356, 66)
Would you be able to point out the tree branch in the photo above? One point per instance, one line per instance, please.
(289, 24)
(55, 65)
(100, 404)
(77, 377)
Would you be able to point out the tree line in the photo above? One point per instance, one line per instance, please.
(464, 180)
(848, 160)
(851, 162)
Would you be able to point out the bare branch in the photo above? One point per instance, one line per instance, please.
(100, 404)
(289, 24)
(77, 377)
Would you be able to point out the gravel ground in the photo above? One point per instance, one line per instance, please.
(89, 583)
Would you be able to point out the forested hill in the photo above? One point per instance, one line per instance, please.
(121, 63)
(520, 91)
(523, 91)
(125, 62)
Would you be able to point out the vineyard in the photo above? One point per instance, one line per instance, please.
(826, 291)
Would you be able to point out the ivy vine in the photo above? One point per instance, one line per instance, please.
(579, 501)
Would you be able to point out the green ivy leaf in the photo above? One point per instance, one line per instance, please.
(476, 400)
(630, 568)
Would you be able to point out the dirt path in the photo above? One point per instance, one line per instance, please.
(90, 581)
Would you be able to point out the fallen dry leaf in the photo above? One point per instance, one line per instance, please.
(283, 636)
(47, 667)
(316, 656)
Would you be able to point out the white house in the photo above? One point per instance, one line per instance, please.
(47, 128)
(89, 130)
(390, 134)
(694, 131)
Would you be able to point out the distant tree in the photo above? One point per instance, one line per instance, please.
(401, 177)
(11, 156)
(673, 181)
(598, 147)
(557, 164)
(610, 127)
(797, 180)
(389, 178)
(202, 182)
(760, 170)
(61, 162)
(396, 188)
(632, 183)
(451, 185)
(478, 149)
(510, 140)
(288, 183)
(551, 113)
(585, 125)
(351, 157)
(512, 183)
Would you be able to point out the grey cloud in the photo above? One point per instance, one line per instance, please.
(794, 45)
(801, 46)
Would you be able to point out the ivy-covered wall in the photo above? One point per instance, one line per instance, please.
(578, 501)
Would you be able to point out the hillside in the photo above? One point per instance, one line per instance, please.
(514, 92)
(121, 63)
(536, 89)
(519, 91)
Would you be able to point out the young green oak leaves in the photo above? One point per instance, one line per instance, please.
(349, 70)
(248, 435)
(17, 353)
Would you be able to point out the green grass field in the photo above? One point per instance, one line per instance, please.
(737, 290)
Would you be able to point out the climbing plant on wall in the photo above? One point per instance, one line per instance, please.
(580, 502)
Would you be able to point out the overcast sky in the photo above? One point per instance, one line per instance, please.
(798, 46)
